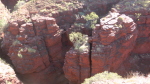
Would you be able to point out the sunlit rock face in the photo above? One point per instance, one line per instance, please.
(35, 50)
(111, 43)
(113, 40)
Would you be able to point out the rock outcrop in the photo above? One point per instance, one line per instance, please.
(35, 48)
(38, 45)
(112, 42)
(139, 57)
(140, 14)
(77, 66)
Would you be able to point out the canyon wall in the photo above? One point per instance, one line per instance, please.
(115, 39)
(36, 49)
(140, 55)
(41, 50)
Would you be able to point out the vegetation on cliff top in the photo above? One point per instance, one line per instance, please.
(113, 78)
(43, 7)
(4, 16)
(133, 5)
(79, 40)
(24, 10)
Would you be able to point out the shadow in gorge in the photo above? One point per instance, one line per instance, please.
(135, 63)
(6, 58)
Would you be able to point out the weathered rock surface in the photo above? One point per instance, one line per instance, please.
(35, 50)
(77, 66)
(139, 12)
(38, 49)
(112, 42)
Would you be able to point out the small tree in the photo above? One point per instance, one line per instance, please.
(91, 20)
(79, 40)
(19, 3)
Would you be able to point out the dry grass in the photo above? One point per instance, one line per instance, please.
(4, 17)
(133, 5)
(43, 7)
(114, 78)
(50, 7)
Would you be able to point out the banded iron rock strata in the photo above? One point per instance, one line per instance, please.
(35, 49)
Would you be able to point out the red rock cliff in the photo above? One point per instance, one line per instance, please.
(35, 50)
(140, 13)
(112, 42)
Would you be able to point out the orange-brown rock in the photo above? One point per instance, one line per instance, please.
(115, 39)
(77, 66)
(36, 50)
(139, 57)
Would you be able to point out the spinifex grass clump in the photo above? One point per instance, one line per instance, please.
(102, 78)
(135, 5)
(79, 40)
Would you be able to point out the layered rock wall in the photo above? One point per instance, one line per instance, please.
(38, 49)
(143, 40)
(139, 12)
(77, 66)
(139, 57)
(113, 42)
(35, 48)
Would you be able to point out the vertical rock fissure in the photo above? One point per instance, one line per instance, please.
(34, 28)
(50, 58)
(45, 47)
(47, 51)
(90, 60)
(32, 23)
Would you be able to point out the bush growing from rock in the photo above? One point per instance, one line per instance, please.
(91, 20)
(104, 76)
(79, 40)
(19, 3)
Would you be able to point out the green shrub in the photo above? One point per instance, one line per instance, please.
(3, 24)
(19, 3)
(78, 24)
(31, 50)
(79, 40)
(102, 77)
(91, 20)
(16, 42)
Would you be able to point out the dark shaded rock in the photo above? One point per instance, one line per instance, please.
(9, 3)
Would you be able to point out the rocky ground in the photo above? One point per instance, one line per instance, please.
(7, 74)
